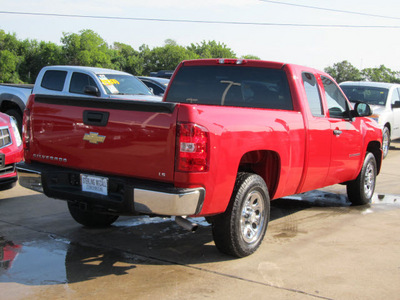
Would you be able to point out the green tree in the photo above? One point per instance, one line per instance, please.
(36, 55)
(86, 49)
(381, 74)
(9, 42)
(211, 49)
(164, 58)
(8, 67)
(127, 59)
(344, 71)
(250, 56)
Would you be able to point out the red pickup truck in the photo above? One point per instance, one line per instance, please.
(229, 136)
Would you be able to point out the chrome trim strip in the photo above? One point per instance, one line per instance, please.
(30, 179)
(169, 204)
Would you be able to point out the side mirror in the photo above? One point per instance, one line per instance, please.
(396, 104)
(92, 90)
(362, 109)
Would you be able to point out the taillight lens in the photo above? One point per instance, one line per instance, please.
(26, 123)
(26, 128)
(192, 148)
(231, 61)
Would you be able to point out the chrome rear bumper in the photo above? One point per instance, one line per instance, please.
(30, 178)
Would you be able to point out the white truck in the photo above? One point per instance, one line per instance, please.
(384, 99)
(74, 81)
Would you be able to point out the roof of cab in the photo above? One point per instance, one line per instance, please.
(93, 70)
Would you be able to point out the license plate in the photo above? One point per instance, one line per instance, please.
(94, 184)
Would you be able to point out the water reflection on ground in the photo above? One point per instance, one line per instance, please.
(326, 199)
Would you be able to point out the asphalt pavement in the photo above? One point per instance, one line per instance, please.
(317, 247)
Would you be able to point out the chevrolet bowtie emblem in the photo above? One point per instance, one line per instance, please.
(94, 138)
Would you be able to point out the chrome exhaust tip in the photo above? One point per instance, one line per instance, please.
(186, 224)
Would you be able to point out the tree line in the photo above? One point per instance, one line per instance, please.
(21, 60)
(345, 71)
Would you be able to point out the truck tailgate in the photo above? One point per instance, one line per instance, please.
(121, 137)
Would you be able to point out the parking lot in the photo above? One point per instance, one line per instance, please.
(317, 247)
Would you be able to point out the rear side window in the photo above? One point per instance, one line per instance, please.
(231, 86)
(313, 96)
(54, 80)
(79, 82)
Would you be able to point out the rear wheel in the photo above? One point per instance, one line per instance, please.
(240, 230)
(360, 191)
(90, 219)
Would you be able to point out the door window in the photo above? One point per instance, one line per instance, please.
(79, 81)
(395, 95)
(337, 104)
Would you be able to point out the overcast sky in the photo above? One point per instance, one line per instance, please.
(274, 37)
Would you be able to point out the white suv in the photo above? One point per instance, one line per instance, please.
(384, 99)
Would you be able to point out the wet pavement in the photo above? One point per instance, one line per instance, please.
(317, 246)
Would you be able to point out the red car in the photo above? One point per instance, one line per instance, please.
(11, 151)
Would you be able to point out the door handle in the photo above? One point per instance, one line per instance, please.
(97, 118)
(337, 132)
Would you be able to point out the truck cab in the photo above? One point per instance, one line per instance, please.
(90, 82)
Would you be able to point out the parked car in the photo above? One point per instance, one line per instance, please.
(11, 151)
(384, 99)
(74, 81)
(157, 84)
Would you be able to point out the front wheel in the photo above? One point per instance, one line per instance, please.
(360, 190)
(89, 218)
(17, 116)
(240, 230)
(385, 141)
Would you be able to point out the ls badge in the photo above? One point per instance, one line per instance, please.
(94, 138)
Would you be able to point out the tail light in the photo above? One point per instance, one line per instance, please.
(192, 148)
(26, 124)
(231, 61)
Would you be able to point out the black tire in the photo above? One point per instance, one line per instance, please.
(18, 117)
(240, 230)
(385, 141)
(90, 219)
(360, 191)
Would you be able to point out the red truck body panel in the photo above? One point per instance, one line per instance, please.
(136, 143)
(259, 130)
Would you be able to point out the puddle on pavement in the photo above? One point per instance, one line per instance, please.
(32, 264)
(326, 203)
(59, 262)
(326, 199)
(386, 199)
(145, 220)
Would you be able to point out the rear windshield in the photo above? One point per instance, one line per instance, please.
(367, 94)
(231, 86)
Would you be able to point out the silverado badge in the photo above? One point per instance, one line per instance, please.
(94, 138)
